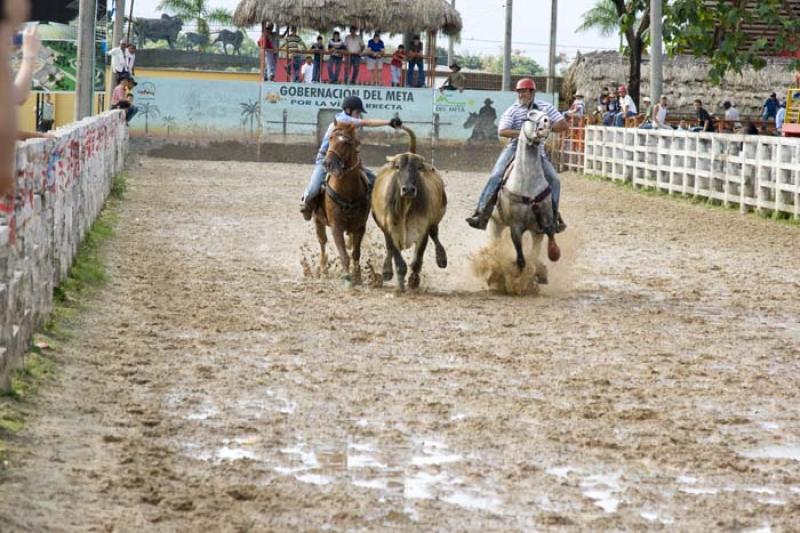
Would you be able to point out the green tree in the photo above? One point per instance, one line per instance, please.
(715, 30)
(602, 18)
(521, 65)
(634, 24)
(199, 11)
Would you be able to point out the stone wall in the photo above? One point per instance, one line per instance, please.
(685, 78)
(62, 185)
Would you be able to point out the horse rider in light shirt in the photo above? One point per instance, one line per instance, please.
(509, 127)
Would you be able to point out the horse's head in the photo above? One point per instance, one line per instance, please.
(406, 172)
(342, 151)
(472, 119)
(536, 127)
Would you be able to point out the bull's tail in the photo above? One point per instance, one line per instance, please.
(412, 139)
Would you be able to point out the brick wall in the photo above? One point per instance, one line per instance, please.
(62, 185)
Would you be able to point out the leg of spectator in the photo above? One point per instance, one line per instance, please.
(356, 64)
(421, 73)
(130, 113)
(317, 70)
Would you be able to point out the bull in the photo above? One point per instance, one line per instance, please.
(408, 203)
(166, 28)
(228, 37)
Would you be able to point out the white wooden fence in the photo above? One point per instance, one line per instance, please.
(751, 171)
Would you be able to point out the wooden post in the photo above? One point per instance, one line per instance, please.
(262, 53)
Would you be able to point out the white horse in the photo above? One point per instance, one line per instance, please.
(524, 202)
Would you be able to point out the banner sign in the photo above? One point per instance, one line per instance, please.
(309, 108)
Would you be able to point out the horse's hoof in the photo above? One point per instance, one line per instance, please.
(387, 276)
(357, 280)
(441, 257)
(553, 251)
(542, 280)
(413, 281)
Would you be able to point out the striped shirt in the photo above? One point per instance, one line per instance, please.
(341, 118)
(515, 115)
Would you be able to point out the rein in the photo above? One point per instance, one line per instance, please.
(340, 200)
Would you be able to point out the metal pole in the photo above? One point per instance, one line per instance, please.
(119, 23)
(451, 42)
(656, 56)
(130, 21)
(84, 90)
(507, 47)
(551, 66)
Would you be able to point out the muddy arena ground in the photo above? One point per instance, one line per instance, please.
(217, 383)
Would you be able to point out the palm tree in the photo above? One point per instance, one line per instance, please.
(199, 11)
(250, 111)
(168, 120)
(603, 18)
(148, 110)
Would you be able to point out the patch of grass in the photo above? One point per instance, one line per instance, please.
(87, 273)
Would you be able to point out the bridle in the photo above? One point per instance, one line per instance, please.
(347, 140)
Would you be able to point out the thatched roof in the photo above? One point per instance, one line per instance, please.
(389, 16)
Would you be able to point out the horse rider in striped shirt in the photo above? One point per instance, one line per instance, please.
(509, 127)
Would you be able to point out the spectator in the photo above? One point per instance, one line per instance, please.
(455, 81)
(780, 117)
(683, 125)
(119, 63)
(770, 109)
(705, 122)
(336, 47)
(396, 66)
(627, 107)
(415, 59)
(647, 103)
(375, 59)
(46, 115)
(355, 47)
(731, 116)
(602, 100)
(308, 70)
(578, 109)
(659, 116)
(318, 48)
(750, 129)
(130, 60)
(120, 100)
(294, 45)
(269, 43)
(612, 108)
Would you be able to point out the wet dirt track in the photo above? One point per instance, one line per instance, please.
(212, 386)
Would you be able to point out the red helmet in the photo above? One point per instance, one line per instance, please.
(526, 83)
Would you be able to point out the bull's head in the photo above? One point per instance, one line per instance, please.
(342, 149)
(407, 169)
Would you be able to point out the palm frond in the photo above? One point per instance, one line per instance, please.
(220, 15)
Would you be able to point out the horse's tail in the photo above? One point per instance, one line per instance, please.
(412, 143)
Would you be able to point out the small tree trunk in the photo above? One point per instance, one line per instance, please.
(635, 71)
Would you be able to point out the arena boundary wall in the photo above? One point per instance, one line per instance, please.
(750, 171)
(62, 185)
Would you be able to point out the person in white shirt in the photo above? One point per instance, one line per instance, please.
(780, 118)
(130, 60)
(659, 117)
(119, 63)
(355, 47)
(307, 71)
(731, 115)
(626, 105)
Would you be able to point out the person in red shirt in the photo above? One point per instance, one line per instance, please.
(269, 43)
(119, 98)
(398, 58)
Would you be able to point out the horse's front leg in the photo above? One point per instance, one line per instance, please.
(341, 246)
(536, 249)
(416, 264)
(357, 237)
(516, 238)
(322, 237)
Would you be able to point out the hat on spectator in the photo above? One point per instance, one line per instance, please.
(455, 66)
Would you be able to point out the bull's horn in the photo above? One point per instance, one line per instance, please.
(412, 147)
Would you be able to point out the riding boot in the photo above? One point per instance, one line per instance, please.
(307, 207)
(480, 218)
(560, 224)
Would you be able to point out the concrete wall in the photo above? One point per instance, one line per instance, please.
(751, 171)
(62, 185)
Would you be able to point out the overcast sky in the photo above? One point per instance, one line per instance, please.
(484, 25)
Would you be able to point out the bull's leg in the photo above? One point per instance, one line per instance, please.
(322, 237)
(357, 237)
(516, 238)
(416, 264)
(441, 254)
(399, 264)
(388, 271)
(338, 239)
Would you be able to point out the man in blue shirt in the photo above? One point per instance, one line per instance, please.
(352, 110)
(509, 127)
(770, 109)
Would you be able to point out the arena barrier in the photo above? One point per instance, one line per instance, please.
(751, 171)
(62, 184)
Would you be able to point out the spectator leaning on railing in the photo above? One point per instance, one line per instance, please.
(294, 47)
(415, 59)
(355, 47)
(375, 59)
(396, 66)
(269, 43)
(318, 48)
(308, 70)
(336, 48)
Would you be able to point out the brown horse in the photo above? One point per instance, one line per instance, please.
(345, 203)
(408, 203)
